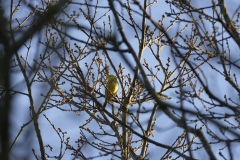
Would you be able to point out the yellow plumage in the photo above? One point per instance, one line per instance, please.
(111, 88)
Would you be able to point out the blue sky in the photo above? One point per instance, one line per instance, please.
(166, 130)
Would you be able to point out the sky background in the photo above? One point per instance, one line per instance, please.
(69, 122)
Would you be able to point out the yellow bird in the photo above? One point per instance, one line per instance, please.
(111, 88)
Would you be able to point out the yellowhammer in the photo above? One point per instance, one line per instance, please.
(111, 88)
